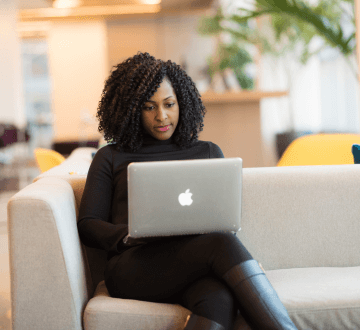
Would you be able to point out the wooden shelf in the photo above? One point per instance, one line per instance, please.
(114, 12)
(239, 97)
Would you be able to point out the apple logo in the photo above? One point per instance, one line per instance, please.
(185, 198)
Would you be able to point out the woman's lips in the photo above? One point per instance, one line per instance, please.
(163, 128)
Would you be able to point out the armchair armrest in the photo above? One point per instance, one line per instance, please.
(49, 282)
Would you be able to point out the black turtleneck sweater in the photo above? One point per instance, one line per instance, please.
(103, 214)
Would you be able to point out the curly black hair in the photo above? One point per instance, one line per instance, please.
(132, 83)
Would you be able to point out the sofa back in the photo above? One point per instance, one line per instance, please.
(302, 216)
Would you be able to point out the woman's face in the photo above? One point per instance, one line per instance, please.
(160, 114)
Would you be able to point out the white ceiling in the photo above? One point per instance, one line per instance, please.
(165, 4)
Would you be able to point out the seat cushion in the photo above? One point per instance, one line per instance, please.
(316, 298)
(106, 313)
(320, 298)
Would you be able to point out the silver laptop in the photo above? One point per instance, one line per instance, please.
(184, 197)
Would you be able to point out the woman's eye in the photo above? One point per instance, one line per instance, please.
(148, 108)
(169, 105)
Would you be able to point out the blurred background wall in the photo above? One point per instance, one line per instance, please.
(11, 108)
(78, 57)
(55, 68)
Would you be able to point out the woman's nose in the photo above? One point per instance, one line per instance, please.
(161, 114)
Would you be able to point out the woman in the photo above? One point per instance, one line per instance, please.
(151, 110)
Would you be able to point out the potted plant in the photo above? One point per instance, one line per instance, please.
(228, 55)
(290, 30)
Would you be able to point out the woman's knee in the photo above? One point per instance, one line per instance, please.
(208, 291)
(224, 297)
(211, 298)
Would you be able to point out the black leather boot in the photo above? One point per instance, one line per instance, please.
(196, 322)
(257, 297)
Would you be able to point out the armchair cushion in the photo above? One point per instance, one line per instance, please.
(320, 297)
(106, 313)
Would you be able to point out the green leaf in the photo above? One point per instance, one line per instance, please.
(288, 25)
(233, 56)
(244, 81)
(327, 27)
(211, 25)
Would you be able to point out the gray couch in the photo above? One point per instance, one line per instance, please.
(301, 223)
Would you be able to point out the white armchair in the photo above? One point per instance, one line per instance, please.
(301, 223)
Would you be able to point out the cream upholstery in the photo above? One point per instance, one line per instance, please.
(320, 297)
(301, 223)
(102, 312)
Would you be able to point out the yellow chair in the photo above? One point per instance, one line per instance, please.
(46, 159)
(320, 149)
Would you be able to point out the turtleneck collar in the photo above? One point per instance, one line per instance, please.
(151, 141)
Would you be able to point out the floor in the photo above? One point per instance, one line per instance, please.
(13, 177)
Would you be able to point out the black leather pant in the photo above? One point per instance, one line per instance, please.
(186, 270)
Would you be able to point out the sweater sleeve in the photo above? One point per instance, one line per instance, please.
(215, 151)
(94, 225)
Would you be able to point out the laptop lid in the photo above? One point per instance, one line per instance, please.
(184, 197)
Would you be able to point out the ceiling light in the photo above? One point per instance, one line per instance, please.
(66, 3)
